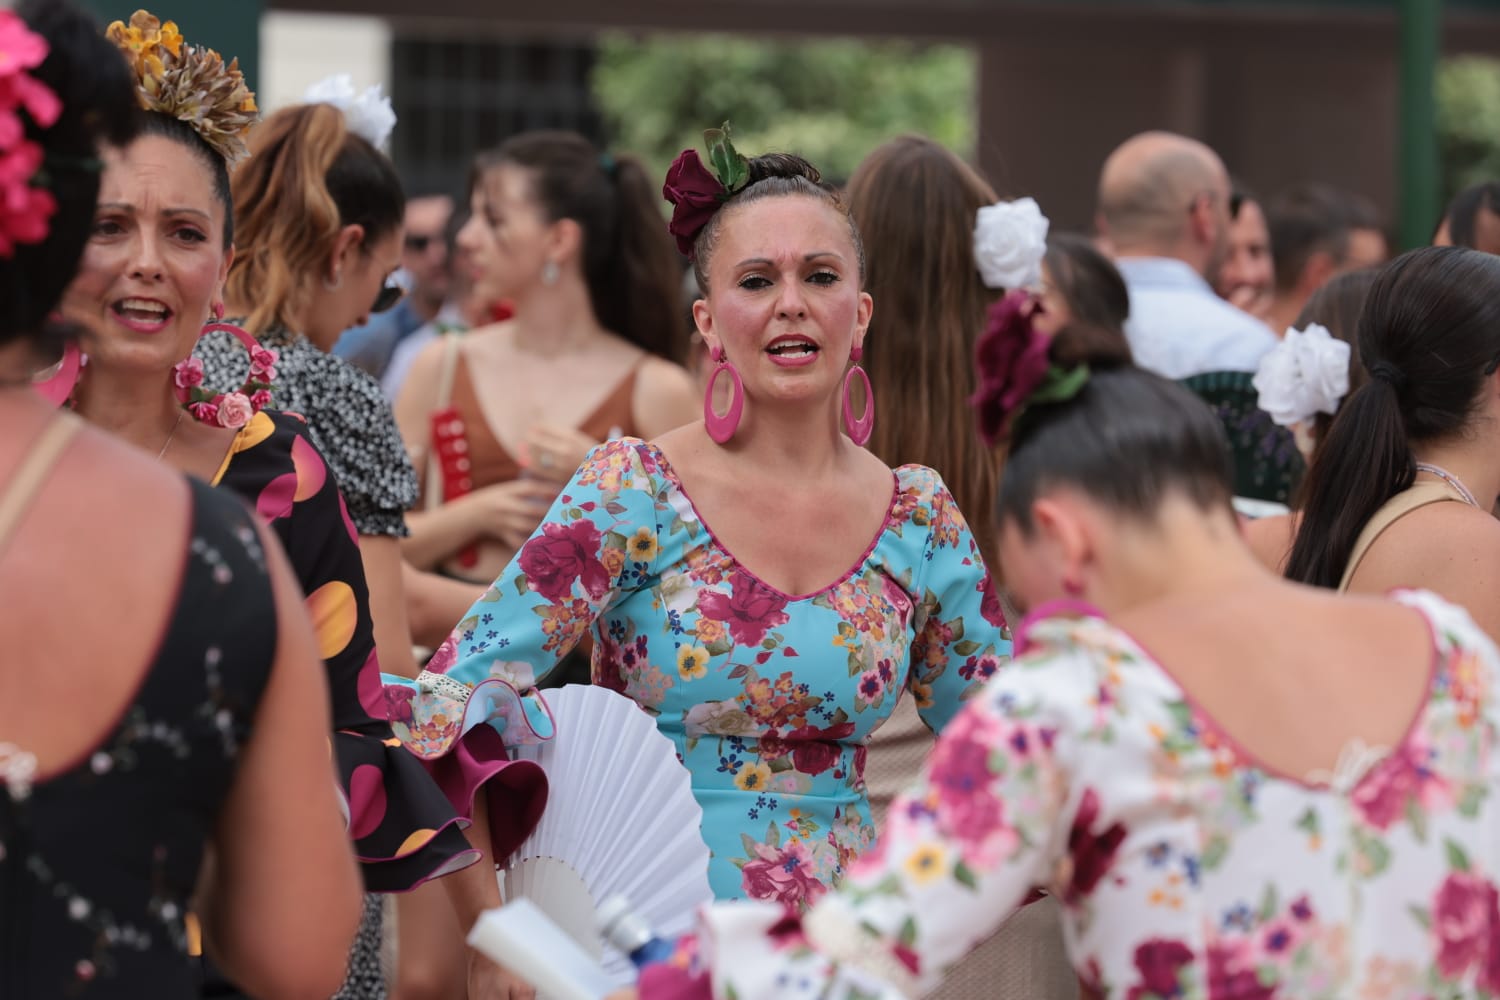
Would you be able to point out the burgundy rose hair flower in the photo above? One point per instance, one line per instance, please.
(1015, 369)
(696, 193)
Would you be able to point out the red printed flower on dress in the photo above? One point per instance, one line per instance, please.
(1092, 853)
(750, 609)
(966, 807)
(813, 750)
(784, 874)
(1232, 973)
(563, 555)
(1466, 923)
(1405, 775)
(1159, 963)
(989, 604)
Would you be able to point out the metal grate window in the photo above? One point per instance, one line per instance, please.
(457, 97)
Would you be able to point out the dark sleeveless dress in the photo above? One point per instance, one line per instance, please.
(98, 861)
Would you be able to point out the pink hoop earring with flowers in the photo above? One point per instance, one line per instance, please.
(722, 427)
(227, 409)
(859, 429)
(58, 387)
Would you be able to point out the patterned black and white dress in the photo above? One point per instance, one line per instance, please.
(348, 419)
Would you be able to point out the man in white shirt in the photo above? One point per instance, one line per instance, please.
(1164, 211)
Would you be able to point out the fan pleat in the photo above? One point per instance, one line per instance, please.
(620, 814)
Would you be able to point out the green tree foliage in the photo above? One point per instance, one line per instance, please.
(832, 101)
(1467, 92)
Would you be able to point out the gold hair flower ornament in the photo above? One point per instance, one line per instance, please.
(188, 82)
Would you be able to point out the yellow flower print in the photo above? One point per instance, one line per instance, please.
(710, 631)
(926, 863)
(752, 777)
(692, 662)
(643, 545)
(923, 694)
(614, 562)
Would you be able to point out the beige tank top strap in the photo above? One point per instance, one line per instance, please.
(1418, 495)
(32, 472)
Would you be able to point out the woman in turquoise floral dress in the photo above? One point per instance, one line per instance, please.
(759, 582)
(1237, 787)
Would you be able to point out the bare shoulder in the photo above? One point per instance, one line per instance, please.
(873, 470)
(686, 447)
(1451, 549)
(421, 378)
(1271, 538)
(1442, 533)
(666, 397)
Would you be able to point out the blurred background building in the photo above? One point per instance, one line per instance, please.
(1035, 92)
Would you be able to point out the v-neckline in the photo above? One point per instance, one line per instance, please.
(1244, 755)
(588, 418)
(670, 472)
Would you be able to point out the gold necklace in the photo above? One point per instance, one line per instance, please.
(162, 454)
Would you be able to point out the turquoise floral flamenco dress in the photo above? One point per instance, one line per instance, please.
(770, 698)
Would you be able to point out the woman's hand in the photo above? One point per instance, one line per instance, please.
(513, 510)
(623, 995)
(555, 453)
(488, 981)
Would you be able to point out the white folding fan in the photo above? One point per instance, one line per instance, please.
(620, 819)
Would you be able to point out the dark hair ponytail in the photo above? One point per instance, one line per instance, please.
(1127, 440)
(635, 280)
(629, 264)
(1429, 335)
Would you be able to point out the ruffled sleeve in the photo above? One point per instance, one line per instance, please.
(958, 856)
(478, 694)
(403, 828)
(961, 635)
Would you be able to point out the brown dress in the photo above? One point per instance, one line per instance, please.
(491, 463)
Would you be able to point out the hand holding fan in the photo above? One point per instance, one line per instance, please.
(620, 820)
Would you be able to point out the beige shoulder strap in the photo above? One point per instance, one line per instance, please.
(432, 496)
(1418, 495)
(33, 470)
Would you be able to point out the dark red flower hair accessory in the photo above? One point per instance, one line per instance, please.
(1015, 369)
(695, 193)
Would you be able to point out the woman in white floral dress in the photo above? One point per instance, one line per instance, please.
(1237, 787)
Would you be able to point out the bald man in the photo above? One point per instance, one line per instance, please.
(1164, 212)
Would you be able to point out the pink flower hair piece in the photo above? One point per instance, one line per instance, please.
(695, 195)
(25, 211)
(1011, 360)
(696, 192)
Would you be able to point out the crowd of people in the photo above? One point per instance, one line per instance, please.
(1180, 535)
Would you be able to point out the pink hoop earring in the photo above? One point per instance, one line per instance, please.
(861, 429)
(227, 409)
(59, 386)
(722, 428)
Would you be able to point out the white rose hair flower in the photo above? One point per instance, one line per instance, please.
(369, 115)
(1010, 238)
(1304, 375)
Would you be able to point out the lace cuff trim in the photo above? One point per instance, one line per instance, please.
(835, 935)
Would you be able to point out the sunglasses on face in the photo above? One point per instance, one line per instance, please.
(418, 243)
(390, 293)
